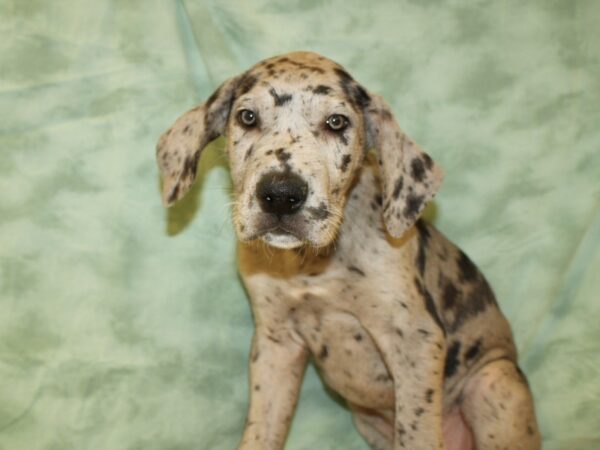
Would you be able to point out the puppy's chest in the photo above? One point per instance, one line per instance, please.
(342, 348)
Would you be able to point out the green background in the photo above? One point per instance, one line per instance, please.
(125, 326)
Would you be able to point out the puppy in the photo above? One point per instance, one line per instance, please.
(339, 266)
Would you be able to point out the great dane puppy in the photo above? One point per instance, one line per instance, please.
(339, 266)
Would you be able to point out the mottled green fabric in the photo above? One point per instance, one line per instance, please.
(125, 326)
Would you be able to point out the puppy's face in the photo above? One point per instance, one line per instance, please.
(297, 129)
(295, 139)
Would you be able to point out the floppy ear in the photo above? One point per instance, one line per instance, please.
(179, 148)
(410, 177)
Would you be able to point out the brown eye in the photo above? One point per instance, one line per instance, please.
(337, 122)
(247, 118)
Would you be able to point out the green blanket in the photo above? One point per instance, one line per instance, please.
(125, 326)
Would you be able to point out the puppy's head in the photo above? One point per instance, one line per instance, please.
(298, 127)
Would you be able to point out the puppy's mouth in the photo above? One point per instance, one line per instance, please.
(282, 231)
(281, 237)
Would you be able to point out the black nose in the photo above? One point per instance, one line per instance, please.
(281, 193)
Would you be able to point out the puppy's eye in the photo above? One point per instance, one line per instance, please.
(247, 118)
(337, 122)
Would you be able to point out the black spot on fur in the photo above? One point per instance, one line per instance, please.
(431, 309)
(473, 351)
(361, 97)
(429, 304)
(213, 97)
(358, 337)
(355, 94)
(428, 161)
(420, 261)
(449, 295)
(468, 301)
(378, 199)
(190, 165)
(452, 362)
(387, 205)
(429, 395)
(174, 193)
(280, 99)
(320, 213)
(398, 187)
(322, 90)
(413, 205)
(248, 152)
(356, 270)
(480, 296)
(417, 169)
(424, 236)
(324, 353)
(468, 271)
(423, 230)
(343, 138)
(246, 84)
(346, 159)
(282, 155)
(345, 77)
(401, 433)
(212, 134)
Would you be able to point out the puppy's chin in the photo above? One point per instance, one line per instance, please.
(288, 235)
(282, 240)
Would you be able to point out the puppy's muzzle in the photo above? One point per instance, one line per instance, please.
(281, 193)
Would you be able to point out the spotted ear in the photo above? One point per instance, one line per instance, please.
(410, 177)
(179, 148)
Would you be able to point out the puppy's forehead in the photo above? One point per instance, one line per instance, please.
(301, 71)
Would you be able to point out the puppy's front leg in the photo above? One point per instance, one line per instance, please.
(277, 364)
(415, 359)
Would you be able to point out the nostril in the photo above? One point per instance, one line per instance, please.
(295, 203)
